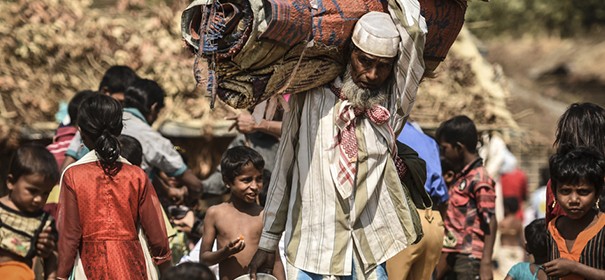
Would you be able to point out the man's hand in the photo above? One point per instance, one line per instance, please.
(486, 271)
(47, 243)
(177, 195)
(244, 122)
(559, 267)
(185, 224)
(262, 261)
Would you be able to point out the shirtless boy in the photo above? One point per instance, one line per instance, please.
(236, 225)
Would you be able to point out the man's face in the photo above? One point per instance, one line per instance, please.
(369, 71)
(452, 153)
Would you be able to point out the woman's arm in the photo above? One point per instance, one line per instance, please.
(152, 222)
(68, 224)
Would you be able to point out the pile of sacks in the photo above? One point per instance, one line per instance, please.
(257, 49)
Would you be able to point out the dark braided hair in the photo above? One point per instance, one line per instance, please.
(100, 119)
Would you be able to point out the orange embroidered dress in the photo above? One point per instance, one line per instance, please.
(98, 218)
(588, 248)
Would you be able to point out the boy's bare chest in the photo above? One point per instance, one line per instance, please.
(235, 225)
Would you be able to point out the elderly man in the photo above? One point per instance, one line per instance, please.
(335, 189)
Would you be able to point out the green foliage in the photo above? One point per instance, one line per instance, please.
(519, 17)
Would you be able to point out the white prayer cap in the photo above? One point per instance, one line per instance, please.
(376, 34)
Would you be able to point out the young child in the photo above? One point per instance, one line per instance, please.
(535, 245)
(236, 225)
(131, 149)
(470, 217)
(582, 124)
(32, 174)
(103, 202)
(576, 241)
(66, 131)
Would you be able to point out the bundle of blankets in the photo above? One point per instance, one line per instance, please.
(254, 50)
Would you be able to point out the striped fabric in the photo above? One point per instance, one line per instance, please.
(379, 273)
(61, 142)
(588, 248)
(346, 139)
(324, 231)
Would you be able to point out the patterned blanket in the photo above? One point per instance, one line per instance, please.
(255, 49)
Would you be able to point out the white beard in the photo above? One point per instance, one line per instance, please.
(361, 98)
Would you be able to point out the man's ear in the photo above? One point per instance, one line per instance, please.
(460, 147)
(449, 177)
(105, 91)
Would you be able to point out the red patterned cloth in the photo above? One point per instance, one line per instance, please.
(98, 217)
(347, 140)
(444, 20)
(471, 206)
(402, 168)
(553, 209)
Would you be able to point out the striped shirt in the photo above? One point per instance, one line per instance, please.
(61, 142)
(325, 231)
(588, 248)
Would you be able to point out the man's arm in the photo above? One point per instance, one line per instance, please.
(245, 123)
(486, 207)
(193, 184)
(278, 196)
(488, 250)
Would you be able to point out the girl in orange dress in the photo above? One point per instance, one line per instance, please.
(576, 240)
(104, 201)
